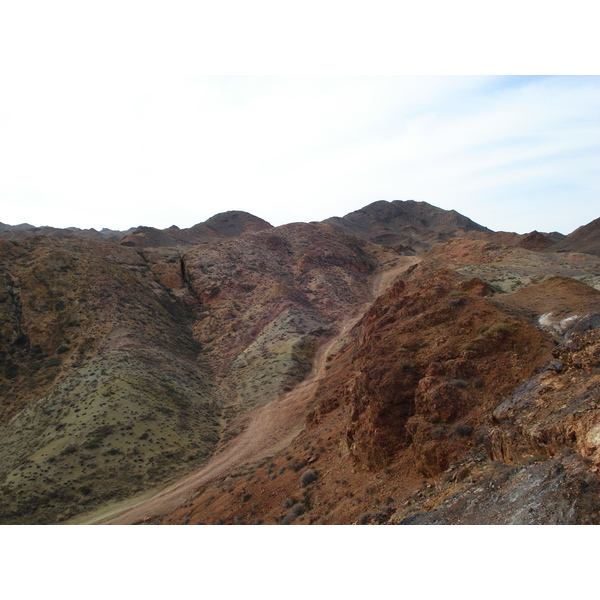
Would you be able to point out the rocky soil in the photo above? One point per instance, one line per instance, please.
(401, 365)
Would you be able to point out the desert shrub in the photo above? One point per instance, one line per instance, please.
(112, 452)
(499, 328)
(308, 477)
(463, 430)
(246, 497)
(297, 465)
(297, 510)
(454, 302)
(71, 449)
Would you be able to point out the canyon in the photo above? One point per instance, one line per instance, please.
(398, 365)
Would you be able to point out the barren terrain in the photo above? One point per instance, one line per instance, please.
(270, 428)
(399, 365)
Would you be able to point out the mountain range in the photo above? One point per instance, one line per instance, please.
(401, 365)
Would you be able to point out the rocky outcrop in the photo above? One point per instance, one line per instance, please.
(429, 359)
(558, 408)
(558, 491)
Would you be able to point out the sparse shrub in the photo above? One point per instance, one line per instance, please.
(112, 452)
(296, 466)
(463, 430)
(71, 449)
(454, 302)
(297, 510)
(499, 328)
(308, 477)
(246, 497)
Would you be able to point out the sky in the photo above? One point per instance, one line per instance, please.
(124, 114)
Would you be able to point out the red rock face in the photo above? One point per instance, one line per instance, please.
(430, 357)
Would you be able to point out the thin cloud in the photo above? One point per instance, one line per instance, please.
(177, 148)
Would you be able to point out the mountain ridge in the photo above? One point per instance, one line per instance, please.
(349, 378)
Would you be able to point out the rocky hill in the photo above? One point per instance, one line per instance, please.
(222, 226)
(399, 365)
(411, 226)
(19, 232)
(584, 239)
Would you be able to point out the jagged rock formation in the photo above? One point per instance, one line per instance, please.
(300, 374)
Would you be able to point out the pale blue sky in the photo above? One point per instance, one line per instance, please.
(117, 117)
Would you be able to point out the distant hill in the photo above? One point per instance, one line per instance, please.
(583, 239)
(232, 223)
(416, 225)
(25, 230)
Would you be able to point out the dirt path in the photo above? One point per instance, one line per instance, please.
(271, 427)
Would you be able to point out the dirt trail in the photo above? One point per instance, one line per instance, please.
(271, 427)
